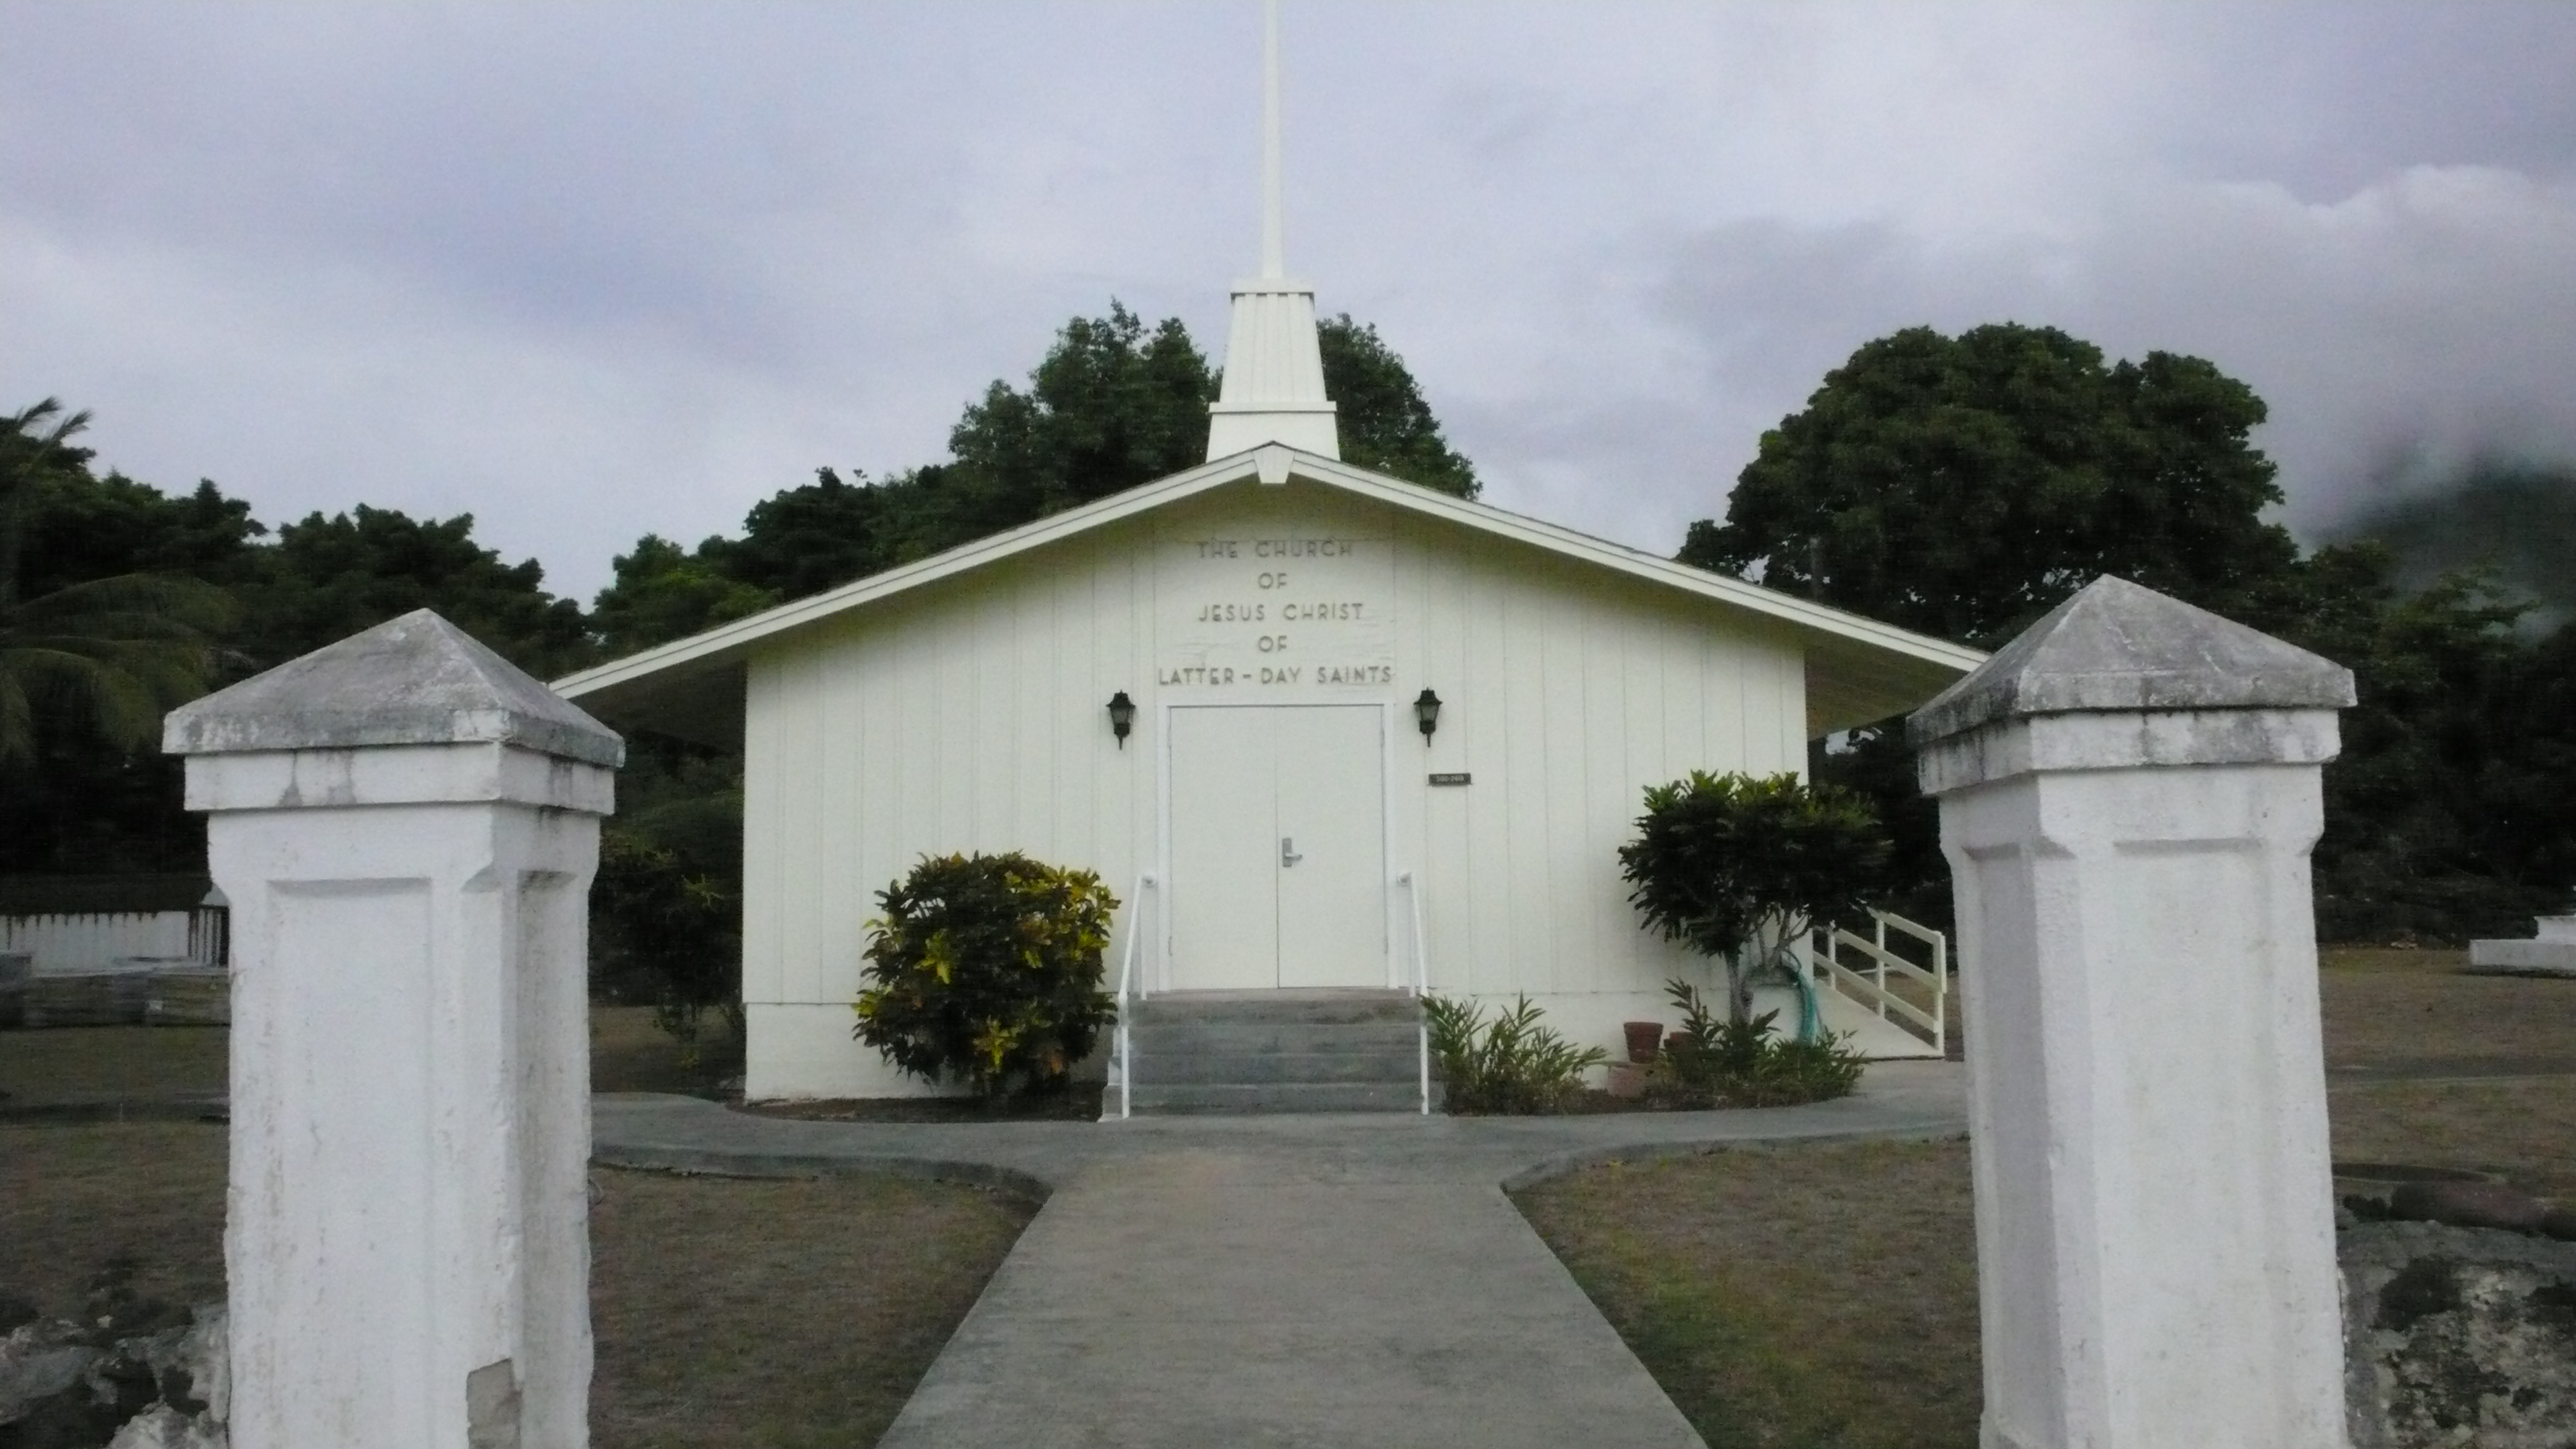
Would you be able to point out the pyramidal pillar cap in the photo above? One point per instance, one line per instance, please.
(412, 680)
(2197, 688)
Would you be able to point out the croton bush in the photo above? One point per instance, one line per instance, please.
(987, 969)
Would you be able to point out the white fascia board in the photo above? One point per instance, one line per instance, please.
(731, 639)
(1637, 562)
(726, 639)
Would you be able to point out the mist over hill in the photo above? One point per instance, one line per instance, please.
(2517, 518)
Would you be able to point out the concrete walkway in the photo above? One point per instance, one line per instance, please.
(1274, 1281)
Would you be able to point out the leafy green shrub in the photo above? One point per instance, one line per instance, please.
(1730, 1063)
(988, 967)
(1515, 1068)
(1736, 866)
(665, 928)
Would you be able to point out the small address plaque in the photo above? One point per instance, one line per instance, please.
(1459, 778)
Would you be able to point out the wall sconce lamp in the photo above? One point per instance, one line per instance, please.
(1122, 716)
(1426, 713)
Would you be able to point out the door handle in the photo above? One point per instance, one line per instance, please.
(1288, 851)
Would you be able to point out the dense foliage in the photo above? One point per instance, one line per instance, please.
(1735, 866)
(1510, 1066)
(85, 659)
(118, 601)
(1744, 1063)
(1384, 423)
(986, 969)
(666, 906)
(1964, 486)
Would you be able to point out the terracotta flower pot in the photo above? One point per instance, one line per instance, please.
(1642, 1037)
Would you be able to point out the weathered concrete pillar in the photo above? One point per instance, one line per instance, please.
(406, 826)
(2128, 795)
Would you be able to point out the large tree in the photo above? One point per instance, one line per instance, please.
(1384, 422)
(118, 601)
(100, 656)
(1111, 406)
(1962, 486)
(328, 577)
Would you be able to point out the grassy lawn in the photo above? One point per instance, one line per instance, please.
(627, 1054)
(1798, 1296)
(727, 1313)
(784, 1315)
(1810, 1296)
(112, 1061)
(1818, 1297)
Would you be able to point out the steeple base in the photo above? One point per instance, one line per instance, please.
(1274, 374)
(1240, 432)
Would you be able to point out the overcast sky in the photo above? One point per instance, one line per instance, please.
(592, 271)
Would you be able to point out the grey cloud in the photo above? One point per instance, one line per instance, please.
(2398, 334)
(588, 270)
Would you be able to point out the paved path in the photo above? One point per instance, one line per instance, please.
(1274, 1281)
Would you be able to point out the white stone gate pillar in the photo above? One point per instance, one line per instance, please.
(406, 826)
(2128, 795)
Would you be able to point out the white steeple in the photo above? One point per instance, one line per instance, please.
(1274, 369)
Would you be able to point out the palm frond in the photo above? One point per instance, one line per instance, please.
(128, 606)
(111, 653)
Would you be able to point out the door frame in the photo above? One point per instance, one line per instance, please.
(1162, 972)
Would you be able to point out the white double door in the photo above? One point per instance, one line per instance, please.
(1278, 846)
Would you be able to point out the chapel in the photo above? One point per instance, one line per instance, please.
(1332, 738)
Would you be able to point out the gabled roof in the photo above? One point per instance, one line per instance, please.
(1858, 670)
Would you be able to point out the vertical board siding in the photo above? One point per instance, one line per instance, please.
(764, 884)
(969, 719)
(972, 715)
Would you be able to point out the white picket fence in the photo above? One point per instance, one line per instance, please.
(92, 942)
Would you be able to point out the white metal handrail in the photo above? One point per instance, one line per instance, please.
(1879, 961)
(1421, 988)
(1126, 977)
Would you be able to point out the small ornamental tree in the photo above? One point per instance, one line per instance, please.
(988, 967)
(660, 921)
(1735, 866)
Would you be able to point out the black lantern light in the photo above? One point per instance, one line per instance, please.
(1122, 716)
(1426, 713)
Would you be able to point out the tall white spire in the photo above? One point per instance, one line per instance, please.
(1274, 369)
(1274, 210)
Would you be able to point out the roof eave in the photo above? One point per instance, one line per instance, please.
(727, 644)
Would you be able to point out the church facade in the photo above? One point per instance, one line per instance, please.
(1276, 800)
(1315, 727)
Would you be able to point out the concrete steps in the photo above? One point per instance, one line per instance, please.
(1230, 1052)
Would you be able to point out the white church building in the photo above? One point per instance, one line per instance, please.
(1285, 707)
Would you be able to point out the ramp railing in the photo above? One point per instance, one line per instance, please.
(1137, 917)
(1421, 986)
(1863, 967)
